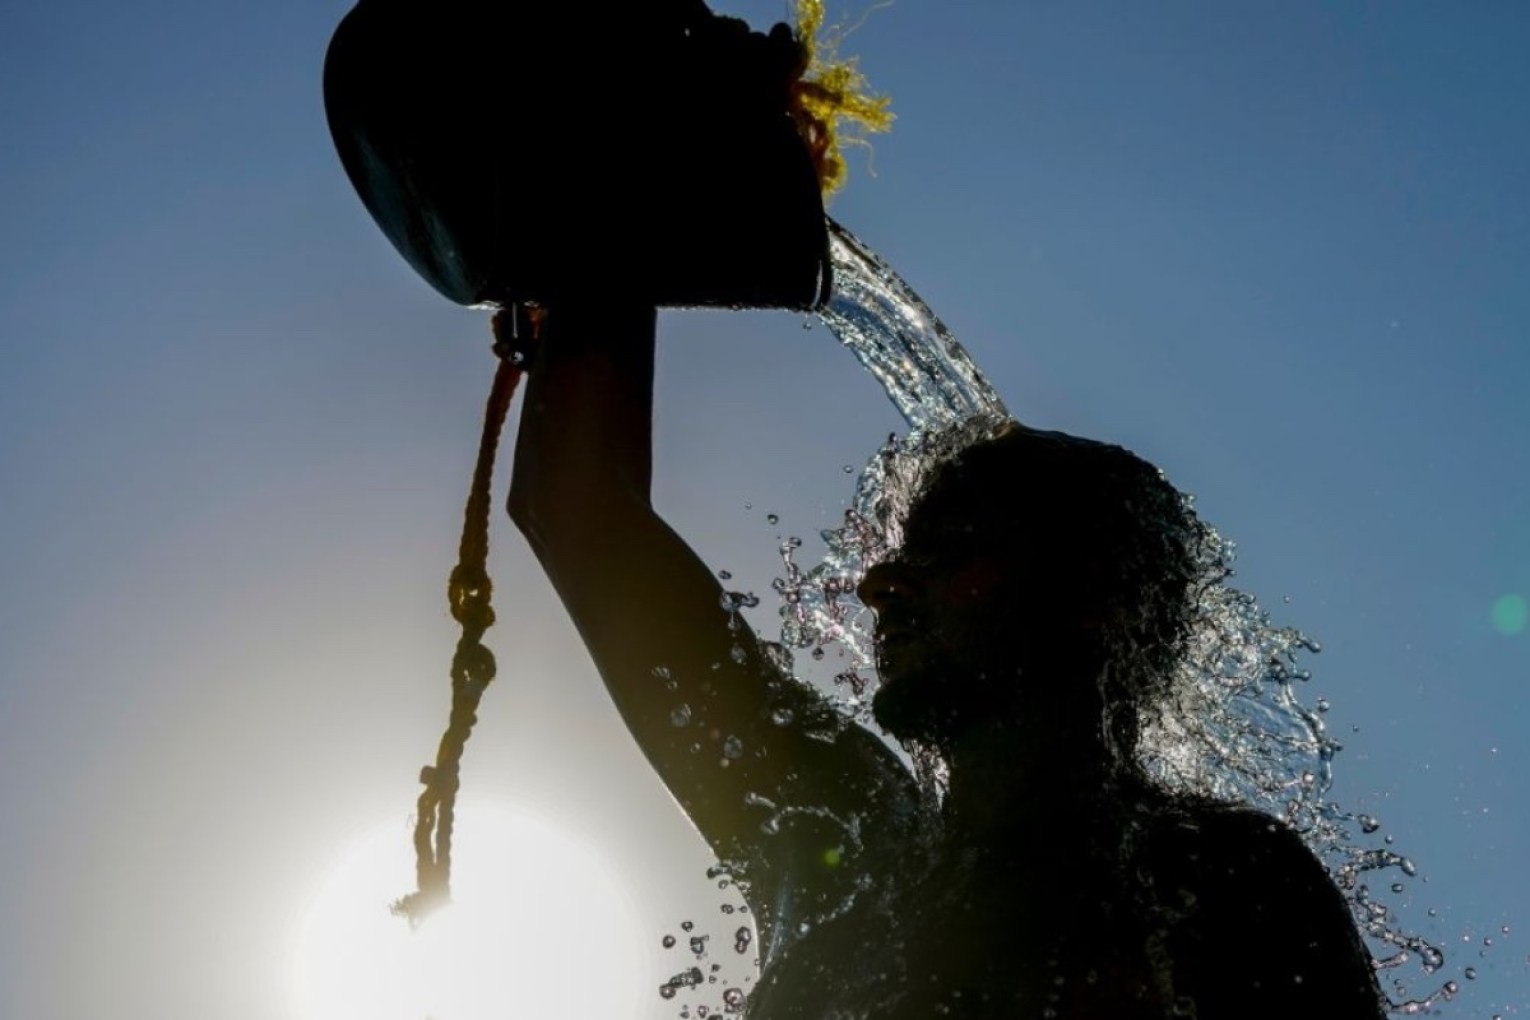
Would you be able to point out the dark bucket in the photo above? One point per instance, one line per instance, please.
(642, 151)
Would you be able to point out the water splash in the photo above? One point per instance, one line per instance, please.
(1233, 727)
(927, 374)
(716, 964)
(947, 403)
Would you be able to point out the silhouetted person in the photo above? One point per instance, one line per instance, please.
(1040, 596)
(1038, 601)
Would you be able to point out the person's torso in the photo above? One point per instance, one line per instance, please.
(974, 932)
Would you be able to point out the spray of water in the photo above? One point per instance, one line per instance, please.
(1233, 726)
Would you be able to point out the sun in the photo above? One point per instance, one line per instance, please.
(539, 926)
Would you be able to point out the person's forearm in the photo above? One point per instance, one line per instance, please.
(584, 448)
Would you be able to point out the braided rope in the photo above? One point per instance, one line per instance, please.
(468, 594)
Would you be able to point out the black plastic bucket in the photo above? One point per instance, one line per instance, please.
(553, 152)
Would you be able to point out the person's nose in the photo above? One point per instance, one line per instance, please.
(885, 584)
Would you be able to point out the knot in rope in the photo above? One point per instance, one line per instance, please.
(473, 664)
(439, 780)
(468, 593)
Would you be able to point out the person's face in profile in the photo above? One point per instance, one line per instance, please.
(935, 598)
(953, 624)
(992, 598)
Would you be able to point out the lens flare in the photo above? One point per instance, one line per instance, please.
(1510, 614)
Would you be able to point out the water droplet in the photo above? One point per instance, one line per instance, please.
(733, 748)
(727, 908)
(847, 469)
(1397, 887)
(1323, 705)
(667, 991)
(662, 672)
(782, 717)
(681, 715)
(669, 942)
(778, 656)
(1471, 973)
(733, 601)
(741, 940)
(1368, 824)
(850, 678)
(772, 519)
(736, 653)
(687, 925)
(733, 1000)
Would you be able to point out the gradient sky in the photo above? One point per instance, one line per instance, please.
(1283, 250)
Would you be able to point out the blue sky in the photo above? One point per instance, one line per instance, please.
(1281, 250)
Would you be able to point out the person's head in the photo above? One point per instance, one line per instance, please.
(1040, 574)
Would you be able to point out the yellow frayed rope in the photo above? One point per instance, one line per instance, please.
(831, 101)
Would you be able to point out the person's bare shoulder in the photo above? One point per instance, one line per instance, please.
(1255, 925)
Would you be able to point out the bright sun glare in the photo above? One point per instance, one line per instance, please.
(539, 926)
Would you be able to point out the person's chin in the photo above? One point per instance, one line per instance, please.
(903, 707)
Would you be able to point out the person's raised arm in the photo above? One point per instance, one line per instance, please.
(726, 731)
